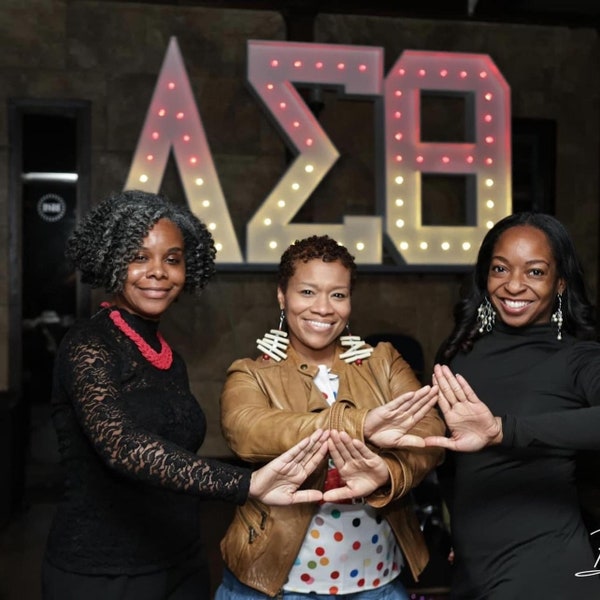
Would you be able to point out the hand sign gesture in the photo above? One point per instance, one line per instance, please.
(361, 470)
(387, 425)
(472, 425)
(278, 481)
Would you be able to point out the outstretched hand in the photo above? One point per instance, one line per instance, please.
(386, 426)
(278, 481)
(362, 471)
(471, 423)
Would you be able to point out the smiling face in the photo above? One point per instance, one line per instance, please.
(317, 307)
(523, 280)
(156, 275)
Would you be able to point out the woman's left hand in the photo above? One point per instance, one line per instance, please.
(471, 423)
(361, 470)
(277, 482)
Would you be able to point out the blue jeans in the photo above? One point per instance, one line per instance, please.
(232, 589)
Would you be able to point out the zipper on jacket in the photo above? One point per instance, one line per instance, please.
(263, 524)
(251, 531)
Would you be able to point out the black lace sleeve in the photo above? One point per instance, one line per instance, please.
(90, 370)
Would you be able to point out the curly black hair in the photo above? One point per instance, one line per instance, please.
(323, 247)
(578, 312)
(107, 239)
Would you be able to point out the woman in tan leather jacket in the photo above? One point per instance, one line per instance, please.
(310, 377)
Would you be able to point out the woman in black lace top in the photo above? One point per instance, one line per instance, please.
(128, 425)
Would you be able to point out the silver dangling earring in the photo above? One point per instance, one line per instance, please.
(557, 317)
(358, 348)
(275, 343)
(486, 316)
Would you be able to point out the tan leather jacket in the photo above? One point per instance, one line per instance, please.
(266, 407)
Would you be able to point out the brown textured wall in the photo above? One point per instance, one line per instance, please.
(110, 53)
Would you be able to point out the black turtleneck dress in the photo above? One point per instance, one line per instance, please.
(516, 521)
(128, 433)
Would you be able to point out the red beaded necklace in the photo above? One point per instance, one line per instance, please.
(161, 360)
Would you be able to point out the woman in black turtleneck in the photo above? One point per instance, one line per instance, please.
(128, 425)
(523, 341)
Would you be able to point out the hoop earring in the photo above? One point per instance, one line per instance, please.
(557, 317)
(358, 348)
(274, 343)
(486, 316)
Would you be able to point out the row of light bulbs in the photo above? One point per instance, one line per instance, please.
(170, 122)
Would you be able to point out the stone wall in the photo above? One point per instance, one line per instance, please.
(110, 53)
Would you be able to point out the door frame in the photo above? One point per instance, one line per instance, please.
(17, 107)
(14, 420)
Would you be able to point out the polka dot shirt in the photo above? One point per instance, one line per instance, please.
(348, 547)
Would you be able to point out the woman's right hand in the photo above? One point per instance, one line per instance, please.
(387, 425)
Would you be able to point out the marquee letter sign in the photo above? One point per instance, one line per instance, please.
(173, 121)
(273, 68)
(407, 157)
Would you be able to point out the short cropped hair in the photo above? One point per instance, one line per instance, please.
(107, 239)
(315, 247)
